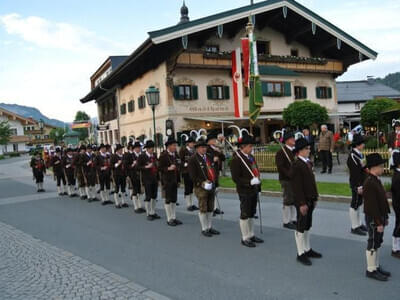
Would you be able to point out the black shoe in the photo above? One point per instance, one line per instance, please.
(358, 231)
(330, 172)
(190, 208)
(125, 205)
(313, 254)
(177, 222)
(206, 233)
(83, 197)
(89, 200)
(171, 223)
(376, 275)
(95, 199)
(323, 172)
(256, 240)
(213, 231)
(142, 210)
(60, 194)
(248, 243)
(118, 206)
(363, 228)
(255, 217)
(150, 218)
(42, 190)
(217, 211)
(138, 211)
(98, 191)
(304, 260)
(109, 202)
(38, 191)
(383, 272)
(65, 194)
(74, 195)
(290, 226)
(177, 204)
(103, 203)
(194, 207)
(294, 223)
(155, 216)
(396, 254)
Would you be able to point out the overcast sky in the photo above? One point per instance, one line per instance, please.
(49, 49)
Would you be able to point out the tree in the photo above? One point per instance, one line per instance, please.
(5, 133)
(371, 113)
(305, 113)
(82, 116)
(57, 134)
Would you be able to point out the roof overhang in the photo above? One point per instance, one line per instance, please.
(201, 24)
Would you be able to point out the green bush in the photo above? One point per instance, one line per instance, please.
(2, 157)
(13, 154)
(371, 143)
(273, 148)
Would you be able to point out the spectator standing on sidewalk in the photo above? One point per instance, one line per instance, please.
(325, 148)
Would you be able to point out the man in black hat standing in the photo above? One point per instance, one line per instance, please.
(119, 177)
(246, 175)
(148, 165)
(39, 170)
(284, 159)
(358, 174)
(305, 196)
(58, 170)
(69, 169)
(80, 175)
(218, 158)
(130, 161)
(89, 171)
(185, 154)
(103, 167)
(376, 209)
(169, 165)
(396, 203)
(202, 171)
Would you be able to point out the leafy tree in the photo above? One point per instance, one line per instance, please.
(5, 132)
(305, 113)
(371, 113)
(80, 117)
(57, 134)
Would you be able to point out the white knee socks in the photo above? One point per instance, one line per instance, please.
(203, 221)
(371, 260)
(299, 237)
(245, 229)
(168, 211)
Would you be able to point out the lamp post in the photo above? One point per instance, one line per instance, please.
(153, 99)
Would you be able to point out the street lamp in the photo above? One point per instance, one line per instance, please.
(153, 99)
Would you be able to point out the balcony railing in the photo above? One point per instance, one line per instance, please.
(108, 117)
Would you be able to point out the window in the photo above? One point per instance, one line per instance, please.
(294, 52)
(123, 109)
(324, 92)
(186, 92)
(263, 47)
(46, 137)
(142, 102)
(357, 106)
(218, 92)
(276, 89)
(13, 131)
(131, 106)
(300, 92)
(212, 49)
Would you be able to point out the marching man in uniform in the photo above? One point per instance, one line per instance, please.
(118, 174)
(305, 198)
(89, 172)
(169, 165)
(133, 173)
(185, 154)
(357, 176)
(203, 174)
(58, 170)
(284, 159)
(246, 176)
(396, 204)
(376, 209)
(80, 176)
(38, 169)
(103, 167)
(69, 169)
(147, 163)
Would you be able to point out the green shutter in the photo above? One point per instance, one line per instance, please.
(304, 91)
(176, 92)
(329, 93)
(209, 92)
(226, 92)
(287, 89)
(264, 86)
(318, 92)
(195, 92)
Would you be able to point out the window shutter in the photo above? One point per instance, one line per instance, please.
(226, 92)
(287, 89)
(304, 90)
(195, 92)
(209, 92)
(264, 86)
(329, 93)
(318, 92)
(176, 92)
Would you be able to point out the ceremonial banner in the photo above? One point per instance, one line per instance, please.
(237, 83)
(246, 61)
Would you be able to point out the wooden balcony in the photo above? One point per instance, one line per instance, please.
(203, 60)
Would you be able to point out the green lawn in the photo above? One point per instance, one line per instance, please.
(324, 188)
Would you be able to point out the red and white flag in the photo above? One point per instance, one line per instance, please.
(246, 60)
(237, 81)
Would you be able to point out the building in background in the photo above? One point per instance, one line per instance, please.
(352, 96)
(300, 55)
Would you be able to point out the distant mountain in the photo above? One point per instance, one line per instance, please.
(392, 80)
(31, 112)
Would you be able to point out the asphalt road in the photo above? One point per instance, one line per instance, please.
(179, 263)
